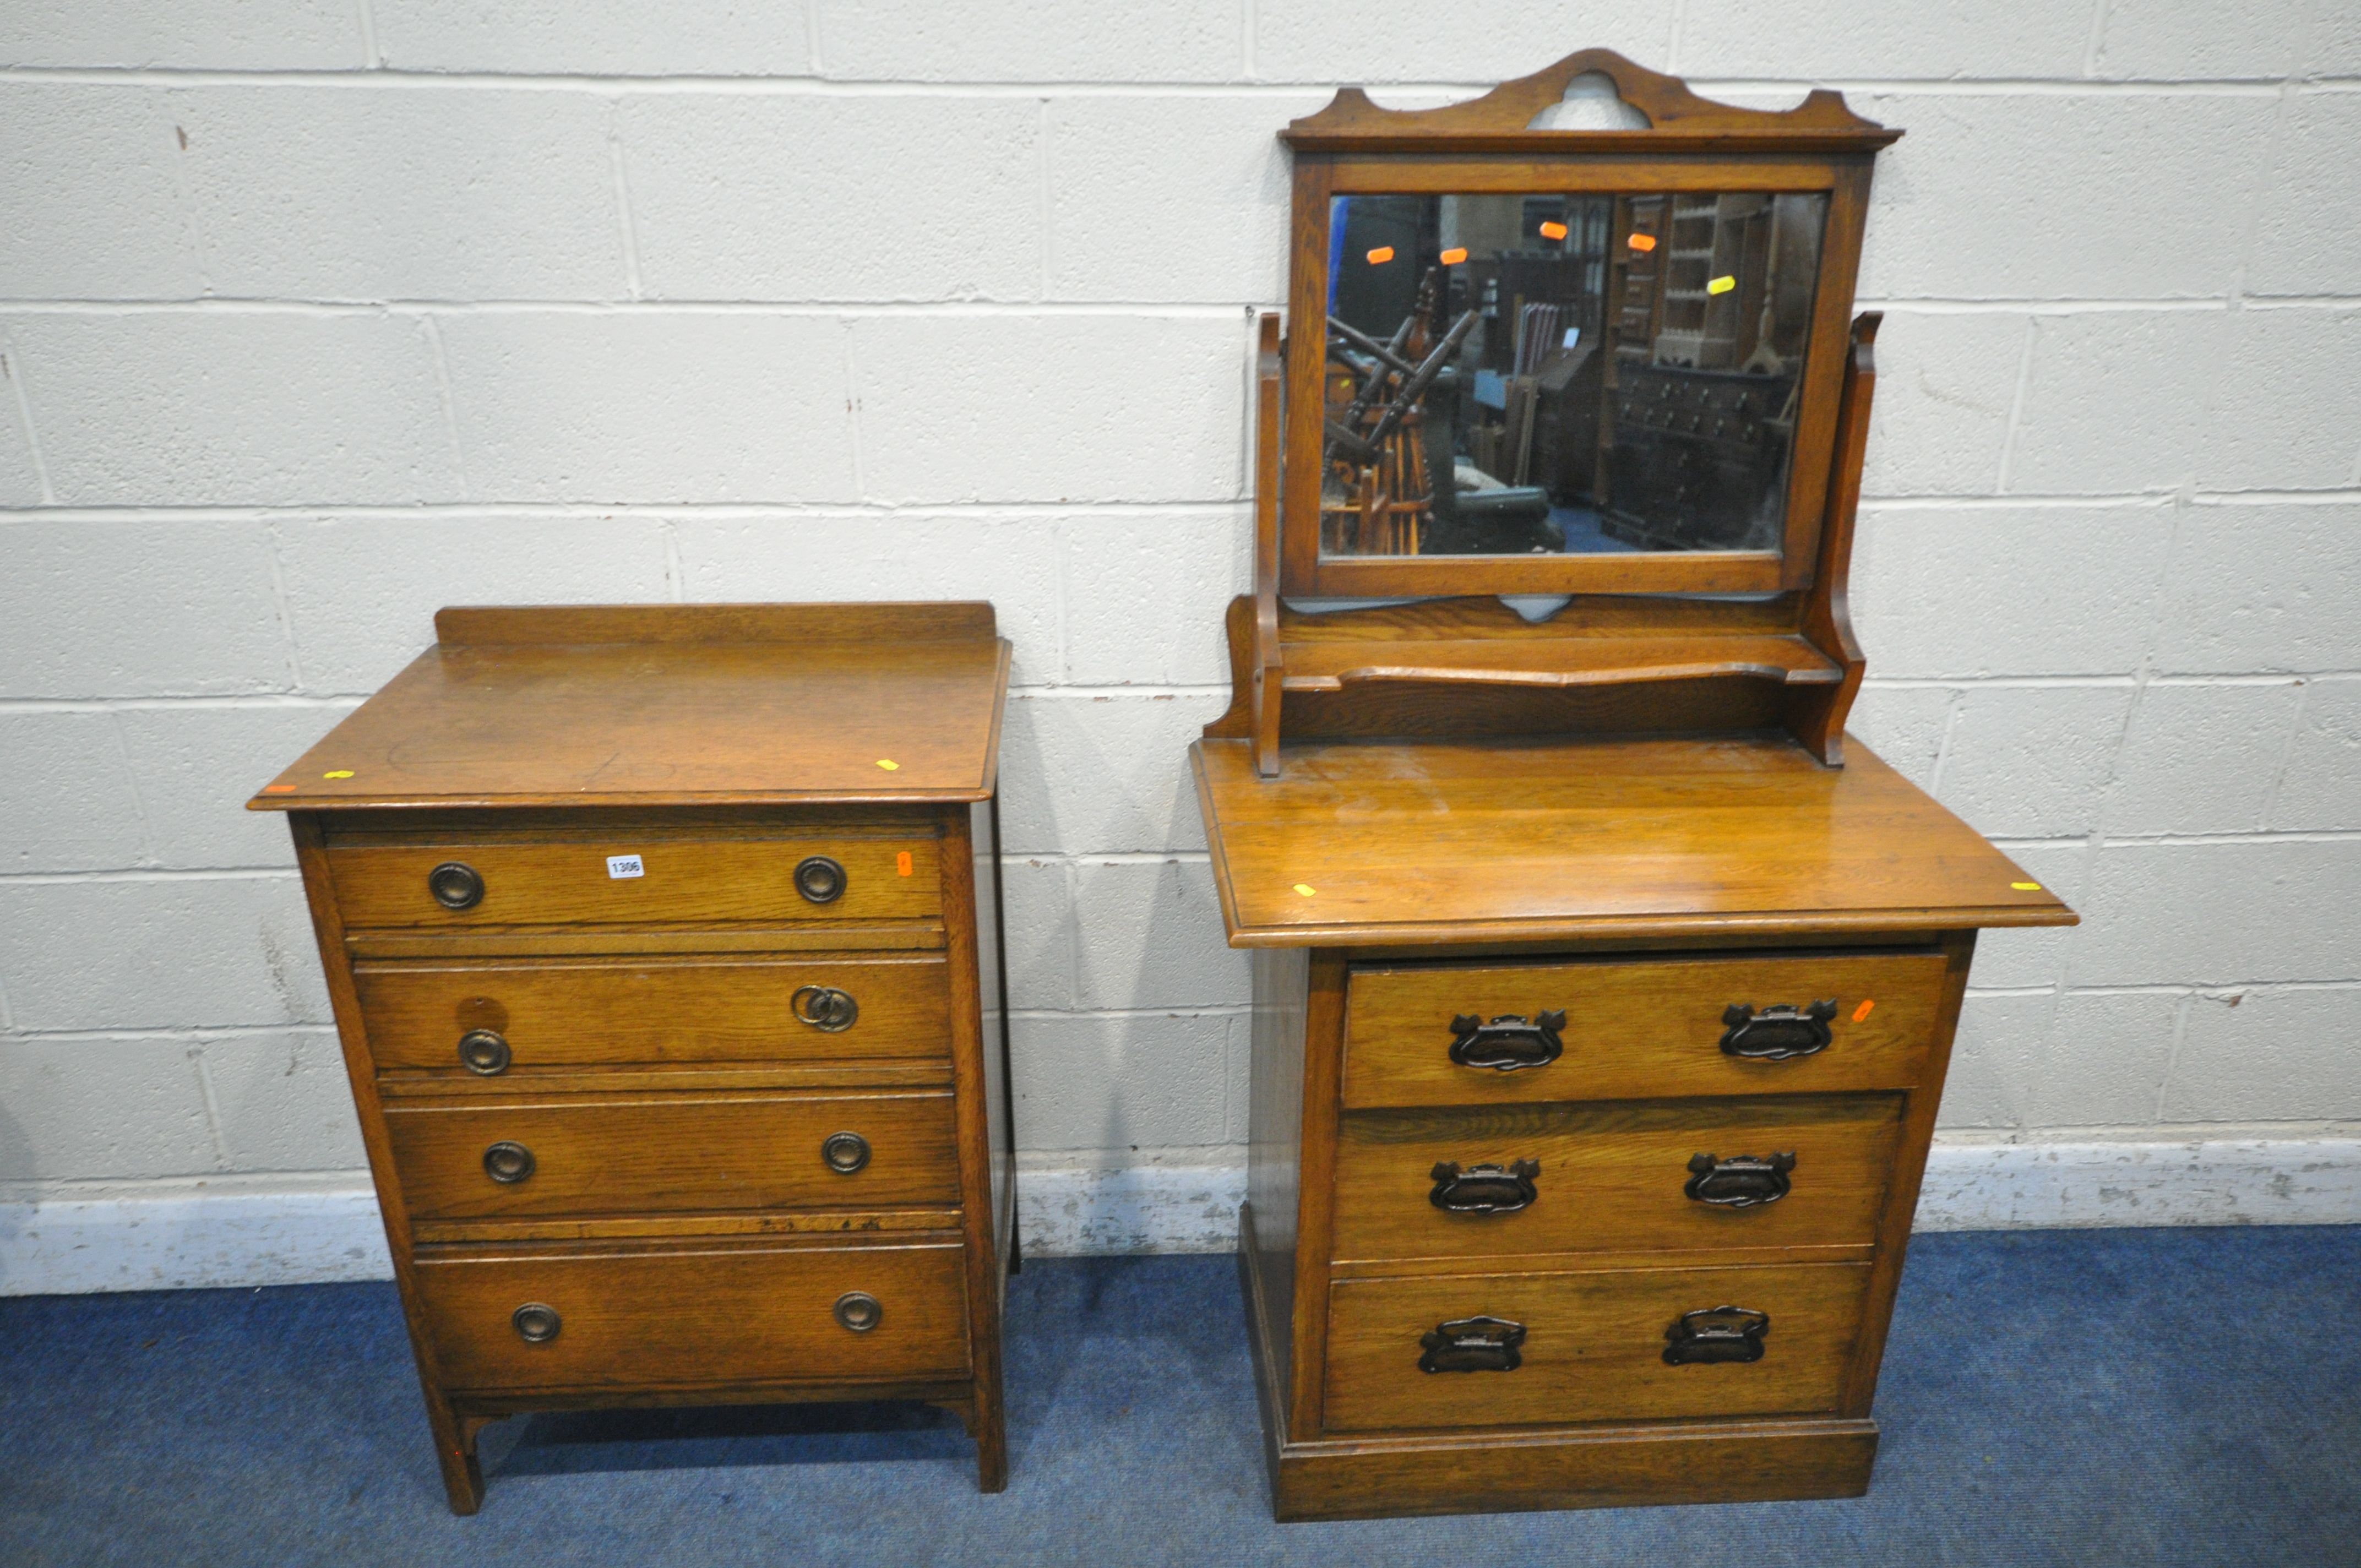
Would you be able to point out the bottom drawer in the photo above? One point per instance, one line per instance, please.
(1589, 1346)
(674, 1318)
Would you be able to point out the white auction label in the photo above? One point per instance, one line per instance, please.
(619, 866)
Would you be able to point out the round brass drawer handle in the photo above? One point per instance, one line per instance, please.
(819, 879)
(455, 885)
(508, 1163)
(845, 1153)
(825, 1008)
(484, 1051)
(857, 1310)
(536, 1323)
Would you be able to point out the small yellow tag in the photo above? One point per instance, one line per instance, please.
(338, 774)
(889, 764)
(2027, 886)
(1305, 889)
(1721, 285)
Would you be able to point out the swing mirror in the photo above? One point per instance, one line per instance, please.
(1564, 374)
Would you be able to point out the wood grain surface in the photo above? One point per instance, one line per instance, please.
(1594, 1346)
(621, 1155)
(707, 878)
(691, 1315)
(1613, 1176)
(1551, 838)
(658, 705)
(696, 1009)
(1637, 1027)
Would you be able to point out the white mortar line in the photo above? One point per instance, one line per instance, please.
(12, 365)
(151, 847)
(2016, 405)
(280, 604)
(1248, 20)
(626, 225)
(367, 17)
(138, 704)
(2094, 42)
(1044, 202)
(1033, 305)
(2270, 802)
(197, 1053)
(154, 873)
(191, 1033)
(443, 395)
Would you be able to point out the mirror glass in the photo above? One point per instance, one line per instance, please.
(1511, 374)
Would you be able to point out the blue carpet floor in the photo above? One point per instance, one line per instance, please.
(2087, 1398)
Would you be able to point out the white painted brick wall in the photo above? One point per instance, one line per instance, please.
(318, 315)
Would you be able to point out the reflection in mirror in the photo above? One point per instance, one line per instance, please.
(1512, 374)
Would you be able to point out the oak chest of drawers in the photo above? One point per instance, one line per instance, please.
(664, 946)
(1592, 1085)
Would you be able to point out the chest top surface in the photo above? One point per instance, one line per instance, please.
(1515, 841)
(667, 705)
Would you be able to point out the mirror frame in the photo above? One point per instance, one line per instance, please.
(1354, 147)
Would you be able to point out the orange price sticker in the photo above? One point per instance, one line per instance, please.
(279, 789)
(1552, 230)
(902, 863)
(1861, 1011)
(1380, 256)
(1643, 243)
(1453, 256)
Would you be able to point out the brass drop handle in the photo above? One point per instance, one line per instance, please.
(455, 885)
(484, 1051)
(1775, 1033)
(846, 1153)
(1740, 1181)
(536, 1323)
(858, 1312)
(1716, 1333)
(819, 879)
(1472, 1345)
(1484, 1189)
(825, 1008)
(1509, 1042)
(508, 1163)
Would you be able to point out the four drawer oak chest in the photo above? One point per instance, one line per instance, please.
(1603, 988)
(664, 946)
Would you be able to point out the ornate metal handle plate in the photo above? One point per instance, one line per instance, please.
(1740, 1181)
(1485, 1189)
(1509, 1042)
(858, 1310)
(484, 1051)
(536, 1323)
(1716, 1333)
(825, 1008)
(1775, 1033)
(846, 1153)
(455, 885)
(1472, 1345)
(819, 879)
(508, 1163)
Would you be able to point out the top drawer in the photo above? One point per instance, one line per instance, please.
(631, 878)
(1636, 1029)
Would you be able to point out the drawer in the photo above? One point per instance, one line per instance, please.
(1637, 1029)
(609, 1012)
(708, 880)
(1806, 1170)
(1593, 1346)
(677, 1318)
(659, 1154)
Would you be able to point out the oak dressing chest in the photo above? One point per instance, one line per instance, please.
(1603, 990)
(664, 946)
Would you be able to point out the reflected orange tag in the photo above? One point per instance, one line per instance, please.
(1642, 242)
(902, 862)
(279, 789)
(1863, 1011)
(1552, 231)
(1380, 256)
(1721, 285)
(1453, 256)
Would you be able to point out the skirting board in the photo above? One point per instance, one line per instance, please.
(186, 1239)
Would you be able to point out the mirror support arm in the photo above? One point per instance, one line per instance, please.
(1817, 714)
(1269, 666)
